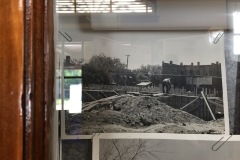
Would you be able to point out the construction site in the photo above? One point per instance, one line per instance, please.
(115, 111)
(166, 98)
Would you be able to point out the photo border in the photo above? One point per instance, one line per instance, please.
(96, 137)
(172, 135)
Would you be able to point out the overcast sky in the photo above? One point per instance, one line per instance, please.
(148, 47)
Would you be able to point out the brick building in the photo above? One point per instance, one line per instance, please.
(194, 77)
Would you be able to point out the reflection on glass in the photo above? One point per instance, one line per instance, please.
(59, 77)
(236, 22)
(236, 46)
(73, 90)
(105, 6)
(127, 58)
(236, 30)
(58, 90)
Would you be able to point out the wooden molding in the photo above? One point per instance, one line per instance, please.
(38, 79)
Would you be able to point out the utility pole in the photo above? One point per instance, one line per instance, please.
(127, 59)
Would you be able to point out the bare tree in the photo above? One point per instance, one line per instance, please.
(130, 150)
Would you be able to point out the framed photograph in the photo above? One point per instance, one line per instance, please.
(150, 82)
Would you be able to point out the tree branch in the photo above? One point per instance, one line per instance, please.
(115, 145)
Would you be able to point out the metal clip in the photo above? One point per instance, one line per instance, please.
(213, 149)
(69, 39)
(218, 37)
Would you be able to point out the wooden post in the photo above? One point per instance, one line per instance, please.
(209, 108)
(189, 103)
(214, 92)
(115, 92)
(89, 95)
(205, 91)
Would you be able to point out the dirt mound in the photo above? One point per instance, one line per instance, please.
(128, 112)
(148, 111)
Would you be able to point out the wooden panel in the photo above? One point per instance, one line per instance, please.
(26, 88)
(11, 75)
(39, 78)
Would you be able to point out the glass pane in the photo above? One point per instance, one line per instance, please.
(148, 66)
(59, 74)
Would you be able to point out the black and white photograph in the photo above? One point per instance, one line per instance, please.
(76, 149)
(149, 82)
(157, 149)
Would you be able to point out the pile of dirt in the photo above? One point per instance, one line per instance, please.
(149, 110)
(134, 114)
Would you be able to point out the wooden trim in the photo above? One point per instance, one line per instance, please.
(39, 79)
(11, 68)
(28, 78)
(49, 75)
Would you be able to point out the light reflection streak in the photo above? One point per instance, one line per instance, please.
(236, 31)
(103, 6)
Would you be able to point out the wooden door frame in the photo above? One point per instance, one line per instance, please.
(27, 76)
(38, 87)
(11, 75)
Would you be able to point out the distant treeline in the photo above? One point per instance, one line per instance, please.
(107, 70)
